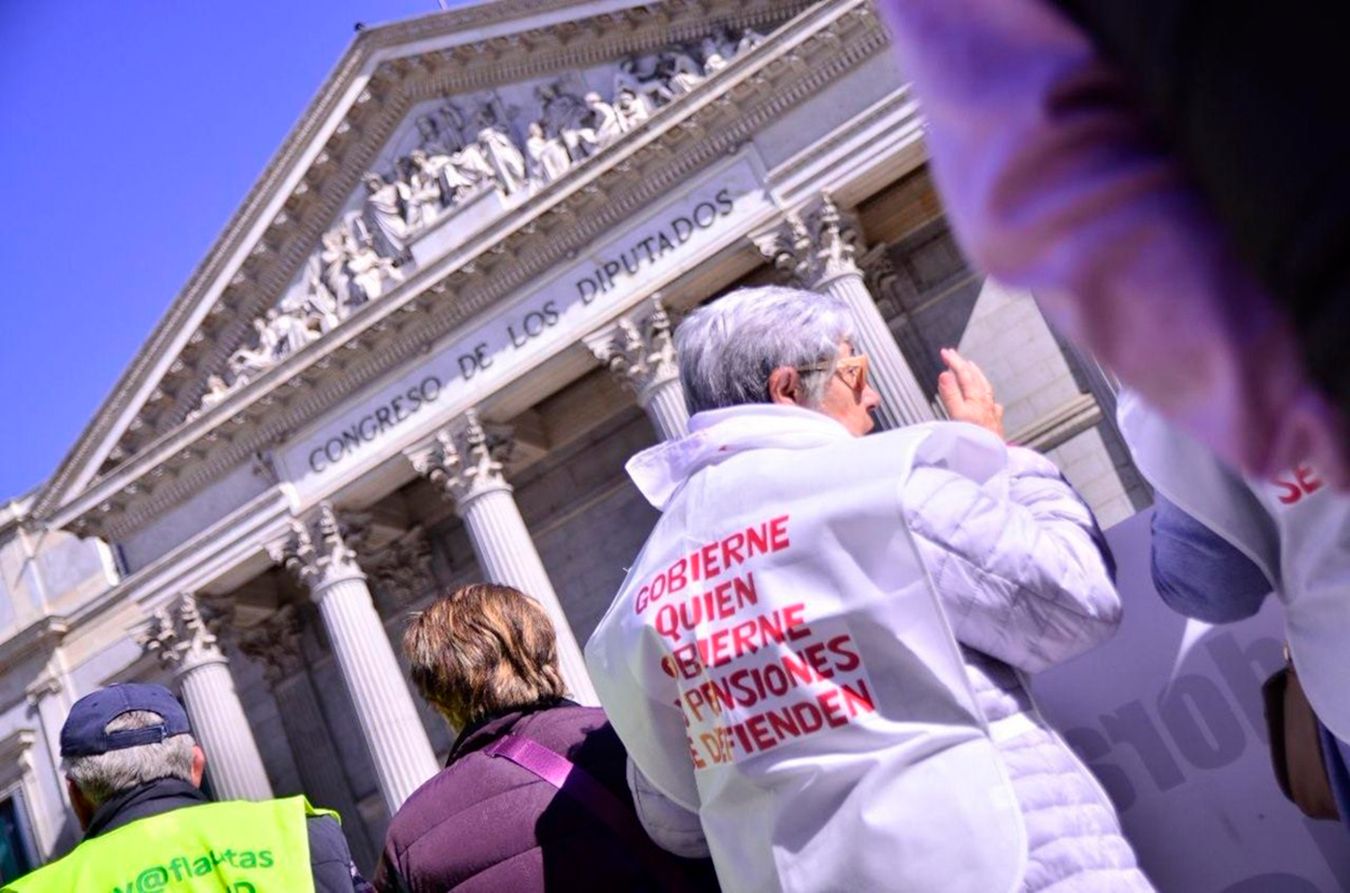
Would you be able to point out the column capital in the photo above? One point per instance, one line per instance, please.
(181, 635)
(319, 552)
(463, 460)
(639, 348)
(813, 244)
(401, 571)
(275, 643)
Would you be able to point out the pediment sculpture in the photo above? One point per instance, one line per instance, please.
(495, 149)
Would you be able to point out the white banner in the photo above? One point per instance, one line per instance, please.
(1169, 716)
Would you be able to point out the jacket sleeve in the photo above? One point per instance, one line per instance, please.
(672, 827)
(1198, 573)
(1018, 561)
(387, 877)
(331, 859)
(1054, 183)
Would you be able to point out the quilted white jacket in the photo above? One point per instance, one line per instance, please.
(1018, 602)
(1017, 562)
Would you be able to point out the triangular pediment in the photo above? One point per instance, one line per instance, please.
(454, 165)
(429, 132)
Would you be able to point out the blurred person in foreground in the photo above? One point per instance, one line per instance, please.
(134, 773)
(533, 796)
(1220, 545)
(817, 661)
(1152, 201)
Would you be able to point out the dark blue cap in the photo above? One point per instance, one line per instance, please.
(83, 734)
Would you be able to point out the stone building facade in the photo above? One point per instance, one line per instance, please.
(425, 345)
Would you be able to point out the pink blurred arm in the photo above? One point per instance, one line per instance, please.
(1053, 184)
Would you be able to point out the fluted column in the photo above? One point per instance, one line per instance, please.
(180, 636)
(469, 473)
(819, 249)
(275, 644)
(640, 350)
(394, 734)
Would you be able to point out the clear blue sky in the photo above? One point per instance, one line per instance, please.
(129, 133)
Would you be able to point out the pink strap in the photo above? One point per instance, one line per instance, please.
(579, 784)
(551, 767)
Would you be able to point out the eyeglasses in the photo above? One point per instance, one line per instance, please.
(852, 370)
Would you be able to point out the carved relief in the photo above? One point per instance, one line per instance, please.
(400, 572)
(275, 644)
(463, 150)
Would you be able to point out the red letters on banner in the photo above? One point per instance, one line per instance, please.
(713, 559)
(749, 678)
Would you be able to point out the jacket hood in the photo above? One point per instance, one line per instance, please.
(718, 434)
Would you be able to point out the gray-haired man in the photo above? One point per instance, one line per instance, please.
(134, 773)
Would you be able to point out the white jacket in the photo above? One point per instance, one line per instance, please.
(1296, 529)
(778, 660)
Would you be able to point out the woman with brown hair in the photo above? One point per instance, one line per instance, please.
(534, 795)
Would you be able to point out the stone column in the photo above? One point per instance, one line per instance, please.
(819, 249)
(467, 470)
(640, 350)
(276, 645)
(398, 744)
(894, 297)
(181, 637)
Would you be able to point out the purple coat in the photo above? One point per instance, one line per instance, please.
(485, 825)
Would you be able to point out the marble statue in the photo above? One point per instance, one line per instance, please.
(633, 109)
(564, 115)
(606, 123)
(247, 362)
(368, 270)
(292, 331)
(424, 190)
(216, 391)
(317, 303)
(333, 259)
(383, 217)
(506, 161)
(548, 157)
(684, 73)
(713, 58)
(641, 78)
(749, 39)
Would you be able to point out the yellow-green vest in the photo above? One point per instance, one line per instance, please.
(235, 846)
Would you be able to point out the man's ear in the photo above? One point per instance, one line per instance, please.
(198, 765)
(84, 810)
(785, 386)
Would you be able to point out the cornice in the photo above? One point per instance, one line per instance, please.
(42, 635)
(710, 123)
(225, 262)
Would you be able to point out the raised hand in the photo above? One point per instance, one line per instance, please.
(967, 393)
